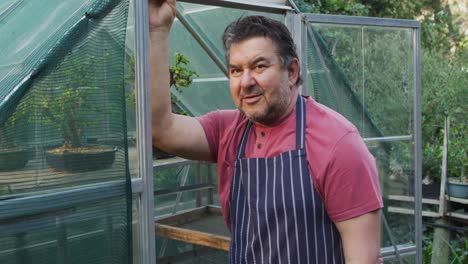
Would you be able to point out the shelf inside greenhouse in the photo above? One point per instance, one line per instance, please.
(201, 226)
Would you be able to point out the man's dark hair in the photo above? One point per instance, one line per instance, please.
(259, 26)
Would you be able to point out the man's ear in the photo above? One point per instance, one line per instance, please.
(293, 71)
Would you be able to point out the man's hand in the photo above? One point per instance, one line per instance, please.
(161, 15)
(176, 134)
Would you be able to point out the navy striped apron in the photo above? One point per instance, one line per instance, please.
(277, 215)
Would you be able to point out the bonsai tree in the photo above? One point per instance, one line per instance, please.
(457, 162)
(72, 106)
(457, 159)
(67, 106)
(181, 76)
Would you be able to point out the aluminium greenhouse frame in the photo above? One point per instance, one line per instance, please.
(415, 26)
(297, 23)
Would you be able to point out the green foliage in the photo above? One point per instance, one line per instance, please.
(129, 80)
(166, 178)
(459, 251)
(458, 246)
(440, 30)
(66, 105)
(60, 104)
(378, 64)
(181, 75)
(427, 248)
(405, 9)
(444, 82)
(181, 78)
(68, 97)
(352, 8)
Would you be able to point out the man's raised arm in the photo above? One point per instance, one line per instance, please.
(177, 134)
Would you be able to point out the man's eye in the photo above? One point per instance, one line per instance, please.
(260, 67)
(235, 72)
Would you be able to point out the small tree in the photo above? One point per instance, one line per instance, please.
(66, 104)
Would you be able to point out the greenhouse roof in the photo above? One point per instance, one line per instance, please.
(27, 43)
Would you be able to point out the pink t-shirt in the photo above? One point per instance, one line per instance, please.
(343, 171)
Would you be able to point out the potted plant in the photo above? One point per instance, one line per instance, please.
(431, 169)
(181, 77)
(457, 161)
(458, 186)
(68, 107)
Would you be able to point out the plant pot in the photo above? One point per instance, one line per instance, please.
(431, 191)
(13, 158)
(428, 191)
(161, 154)
(456, 188)
(86, 158)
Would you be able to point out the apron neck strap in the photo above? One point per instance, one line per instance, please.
(300, 128)
(300, 122)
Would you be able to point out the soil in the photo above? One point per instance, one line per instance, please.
(457, 180)
(87, 149)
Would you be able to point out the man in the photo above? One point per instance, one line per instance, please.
(296, 182)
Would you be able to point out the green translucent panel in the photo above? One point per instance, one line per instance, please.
(204, 96)
(396, 173)
(75, 100)
(170, 178)
(189, 174)
(7, 5)
(183, 42)
(368, 74)
(395, 166)
(388, 85)
(64, 175)
(29, 29)
(89, 233)
(330, 85)
(26, 34)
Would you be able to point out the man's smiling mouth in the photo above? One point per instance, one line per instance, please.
(251, 98)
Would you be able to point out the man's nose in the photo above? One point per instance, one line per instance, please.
(247, 80)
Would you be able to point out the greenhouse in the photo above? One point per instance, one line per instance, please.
(78, 180)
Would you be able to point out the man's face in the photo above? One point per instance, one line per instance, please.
(260, 87)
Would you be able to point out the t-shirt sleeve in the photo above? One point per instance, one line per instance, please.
(351, 187)
(210, 124)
